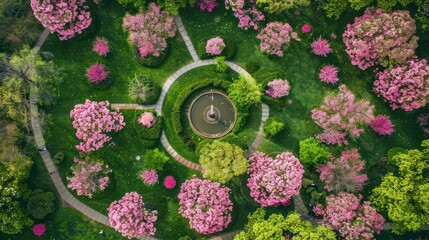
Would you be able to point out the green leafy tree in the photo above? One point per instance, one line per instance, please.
(404, 196)
(221, 161)
(244, 91)
(312, 152)
(277, 226)
(171, 6)
(14, 171)
(273, 126)
(276, 6)
(41, 203)
(155, 159)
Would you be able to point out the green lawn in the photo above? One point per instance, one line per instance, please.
(299, 66)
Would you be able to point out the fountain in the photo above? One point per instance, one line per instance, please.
(212, 114)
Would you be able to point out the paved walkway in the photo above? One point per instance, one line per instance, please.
(63, 192)
(186, 38)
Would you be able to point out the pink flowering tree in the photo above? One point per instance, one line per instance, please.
(67, 18)
(39, 229)
(129, 217)
(205, 204)
(101, 46)
(404, 86)
(275, 38)
(149, 177)
(91, 121)
(341, 115)
(147, 119)
(88, 177)
(378, 37)
(169, 182)
(344, 174)
(246, 12)
(382, 125)
(215, 46)
(306, 28)
(274, 182)
(207, 5)
(321, 47)
(329, 74)
(97, 73)
(278, 88)
(150, 30)
(349, 217)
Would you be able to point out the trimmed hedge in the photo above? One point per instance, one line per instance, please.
(152, 133)
(273, 126)
(151, 61)
(228, 52)
(181, 98)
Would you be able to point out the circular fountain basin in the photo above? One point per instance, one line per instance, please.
(212, 115)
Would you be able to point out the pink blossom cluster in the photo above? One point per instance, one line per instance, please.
(344, 174)
(91, 121)
(306, 28)
(404, 86)
(129, 217)
(89, 177)
(275, 38)
(169, 182)
(101, 46)
(39, 229)
(378, 37)
(340, 116)
(274, 182)
(278, 88)
(321, 47)
(423, 121)
(329, 74)
(206, 204)
(149, 177)
(147, 119)
(215, 46)
(352, 220)
(382, 125)
(246, 12)
(65, 17)
(207, 5)
(149, 30)
(96, 73)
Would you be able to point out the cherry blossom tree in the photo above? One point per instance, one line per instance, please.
(101, 46)
(344, 174)
(96, 73)
(207, 5)
(382, 125)
(245, 10)
(215, 46)
(129, 217)
(273, 182)
(206, 204)
(341, 115)
(275, 38)
(349, 217)
(91, 121)
(378, 37)
(89, 177)
(65, 17)
(149, 177)
(149, 30)
(147, 119)
(278, 88)
(321, 47)
(404, 86)
(329, 74)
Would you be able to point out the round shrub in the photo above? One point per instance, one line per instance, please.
(39, 229)
(313, 152)
(329, 74)
(97, 73)
(215, 46)
(321, 47)
(228, 52)
(278, 88)
(155, 159)
(144, 90)
(169, 182)
(41, 204)
(273, 126)
(149, 177)
(382, 125)
(101, 46)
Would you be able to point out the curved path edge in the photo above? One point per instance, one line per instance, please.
(65, 195)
